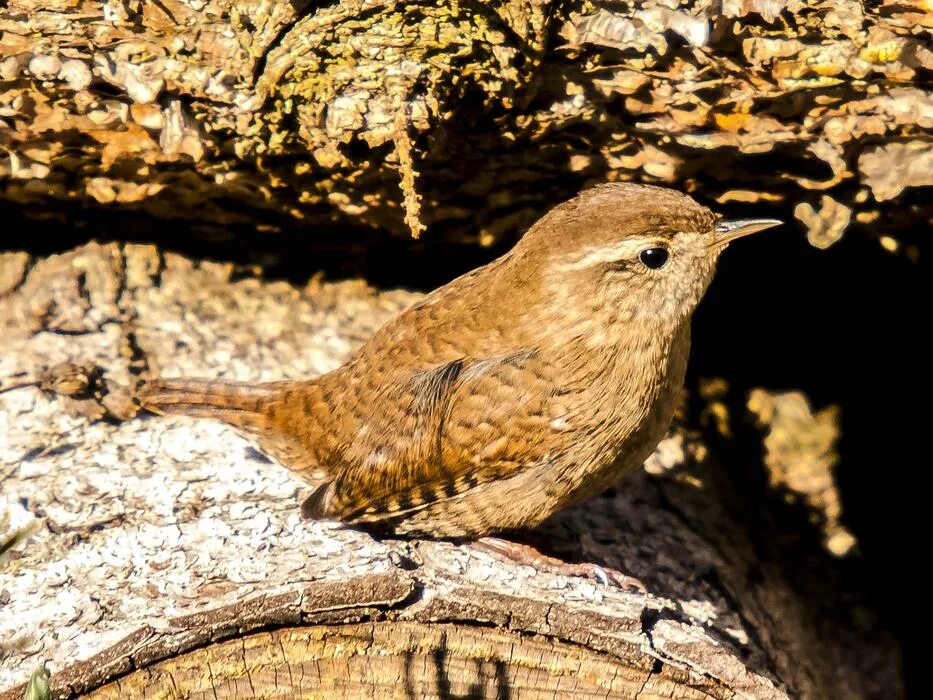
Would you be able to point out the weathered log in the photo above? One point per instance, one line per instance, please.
(163, 558)
(471, 117)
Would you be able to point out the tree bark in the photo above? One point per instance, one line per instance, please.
(471, 117)
(161, 557)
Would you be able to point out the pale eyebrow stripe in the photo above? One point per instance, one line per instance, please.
(594, 256)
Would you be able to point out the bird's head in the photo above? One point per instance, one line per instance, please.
(627, 251)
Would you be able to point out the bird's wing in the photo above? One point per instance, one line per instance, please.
(442, 432)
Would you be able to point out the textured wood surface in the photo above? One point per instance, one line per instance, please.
(400, 660)
(152, 545)
(468, 117)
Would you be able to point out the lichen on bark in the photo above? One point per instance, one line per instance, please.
(469, 118)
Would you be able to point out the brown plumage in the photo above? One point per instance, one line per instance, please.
(519, 388)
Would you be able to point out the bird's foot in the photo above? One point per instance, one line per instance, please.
(529, 556)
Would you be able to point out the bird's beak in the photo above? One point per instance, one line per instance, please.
(728, 231)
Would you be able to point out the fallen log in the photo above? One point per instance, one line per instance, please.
(165, 558)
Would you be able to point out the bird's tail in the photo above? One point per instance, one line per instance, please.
(240, 404)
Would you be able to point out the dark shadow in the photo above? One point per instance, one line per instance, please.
(491, 674)
(846, 326)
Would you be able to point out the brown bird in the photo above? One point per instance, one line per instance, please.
(518, 389)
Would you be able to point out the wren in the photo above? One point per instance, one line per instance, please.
(516, 390)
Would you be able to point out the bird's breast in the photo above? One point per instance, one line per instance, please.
(621, 413)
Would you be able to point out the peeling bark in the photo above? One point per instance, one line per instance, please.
(470, 117)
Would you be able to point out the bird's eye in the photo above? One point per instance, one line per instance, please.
(654, 258)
